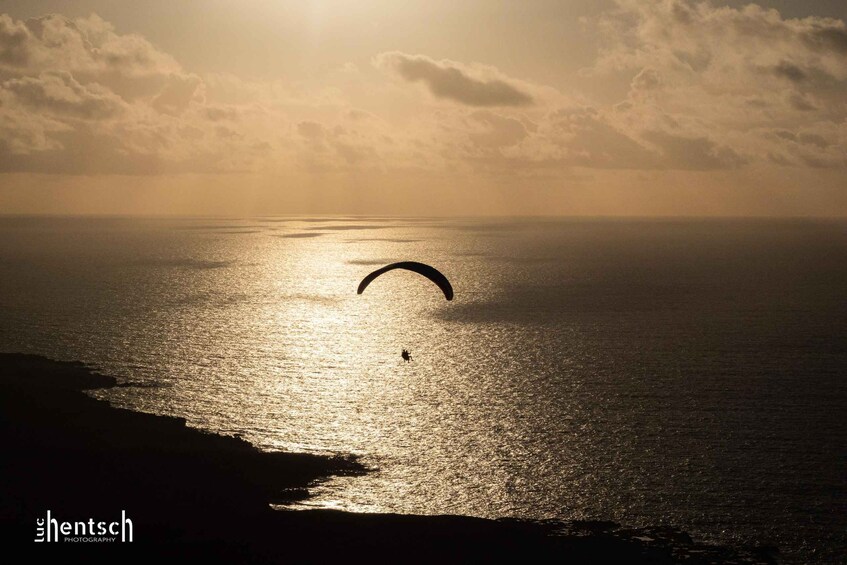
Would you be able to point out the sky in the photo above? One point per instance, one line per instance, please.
(476, 107)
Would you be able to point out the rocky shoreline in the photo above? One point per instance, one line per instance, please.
(196, 495)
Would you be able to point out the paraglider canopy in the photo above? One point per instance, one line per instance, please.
(431, 273)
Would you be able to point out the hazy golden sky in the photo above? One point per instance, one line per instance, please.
(635, 107)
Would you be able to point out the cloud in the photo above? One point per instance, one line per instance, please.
(22, 133)
(13, 42)
(590, 138)
(826, 35)
(587, 137)
(453, 81)
(58, 93)
(311, 130)
(339, 148)
(790, 71)
(706, 88)
(81, 45)
(711, 82)
(496, 130)
(693, 153)
(707, 84)
(76, 97)
(178, 93)
(646, 80)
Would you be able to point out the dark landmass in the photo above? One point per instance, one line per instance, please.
(199, 496)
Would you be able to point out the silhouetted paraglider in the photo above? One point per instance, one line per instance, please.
(431, 273)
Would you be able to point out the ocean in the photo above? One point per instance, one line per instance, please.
(682, 372)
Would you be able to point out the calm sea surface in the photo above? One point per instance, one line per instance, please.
(682, 372)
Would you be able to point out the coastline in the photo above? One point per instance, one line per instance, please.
(203, 496)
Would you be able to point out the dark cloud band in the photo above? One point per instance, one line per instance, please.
(448, 80)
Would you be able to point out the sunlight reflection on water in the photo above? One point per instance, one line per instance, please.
(644, 372)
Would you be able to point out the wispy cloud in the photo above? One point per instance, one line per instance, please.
(457, 82)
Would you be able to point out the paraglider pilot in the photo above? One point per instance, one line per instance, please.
(427, 271)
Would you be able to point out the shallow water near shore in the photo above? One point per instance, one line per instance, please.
(683, 372)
